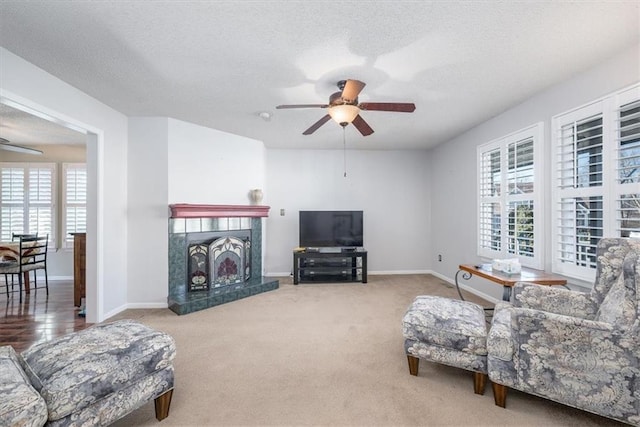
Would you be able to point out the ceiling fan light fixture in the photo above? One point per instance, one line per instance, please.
(344, 114)
(344, 109)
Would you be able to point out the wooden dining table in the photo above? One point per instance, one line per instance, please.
(9, 254)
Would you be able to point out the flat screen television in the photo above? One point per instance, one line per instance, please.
(324, 229)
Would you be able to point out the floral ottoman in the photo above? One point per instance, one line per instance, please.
(98, 375)
(447, 331)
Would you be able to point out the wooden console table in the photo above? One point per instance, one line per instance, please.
(79, 268)
(507, 280)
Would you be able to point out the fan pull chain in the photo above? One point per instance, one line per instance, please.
(344, 148)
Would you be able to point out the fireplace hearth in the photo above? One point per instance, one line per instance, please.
(215, 255)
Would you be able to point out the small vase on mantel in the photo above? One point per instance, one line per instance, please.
(256, 196)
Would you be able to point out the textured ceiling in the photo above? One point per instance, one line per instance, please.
(221, 63)
(23, 128)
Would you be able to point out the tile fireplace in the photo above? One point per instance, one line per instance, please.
(215, 255)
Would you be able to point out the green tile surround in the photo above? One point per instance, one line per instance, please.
(182, 301)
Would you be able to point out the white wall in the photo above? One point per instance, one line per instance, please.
(212, 167)
(391, 187)
(23, 83)
(171, 161)
(453, 200)
(147, 243)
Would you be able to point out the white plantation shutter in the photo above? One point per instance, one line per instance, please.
(490, 208)
(520, 210)
(41, 200)
(520, 236)
(628, 143)
(12, 194)
(580, 186)
(75, 200)
(597, 179)
(627, 158)
(27, 199)
(509, 208)
(12, 221)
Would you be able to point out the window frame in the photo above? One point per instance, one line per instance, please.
(534, 133)
(27, 204)
(609, 192)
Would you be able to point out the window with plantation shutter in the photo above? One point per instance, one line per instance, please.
(596, 179)
(74, 200)
(490, 206)
(27, 199)
(628, 167)
(509, 208)
(12, 180)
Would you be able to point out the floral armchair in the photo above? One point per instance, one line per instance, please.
(579, 349)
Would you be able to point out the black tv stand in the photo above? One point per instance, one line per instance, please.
(330, 266)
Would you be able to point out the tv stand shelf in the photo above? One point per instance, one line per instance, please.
(319, 266)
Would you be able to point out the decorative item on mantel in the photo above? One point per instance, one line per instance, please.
(256, 196)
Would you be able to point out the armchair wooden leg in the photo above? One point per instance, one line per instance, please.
(499, 394)
(162, 404)
(479, 382)
(413, 365)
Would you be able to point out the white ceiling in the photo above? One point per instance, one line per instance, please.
(221, 63)
(21, 128)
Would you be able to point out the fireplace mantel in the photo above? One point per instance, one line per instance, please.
(184, 210)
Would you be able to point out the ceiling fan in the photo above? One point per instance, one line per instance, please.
(343, 107)
(6, 145)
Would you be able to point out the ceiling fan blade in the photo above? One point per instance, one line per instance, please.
(362, 126)
(399, 107)
(279, 107)
(352, 89)
(6, 145)
(316, 125)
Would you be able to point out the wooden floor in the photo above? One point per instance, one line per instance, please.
(40, 317)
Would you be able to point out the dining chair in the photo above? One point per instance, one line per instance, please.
(40, 261)
(14, 237)
(32, 256)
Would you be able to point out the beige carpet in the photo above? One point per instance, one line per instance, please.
(325, 354)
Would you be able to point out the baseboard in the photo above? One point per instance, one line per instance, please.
(288, 273)
(148, 305)
(396, 272)
(60, 278)
(136, 305)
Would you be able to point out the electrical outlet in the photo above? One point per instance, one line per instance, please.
(440, 258)
(281, 212)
